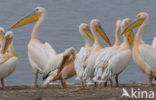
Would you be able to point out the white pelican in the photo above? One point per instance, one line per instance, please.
(9, 60)
(42, 57)
(95, 29)
(143, 54)
(65, 71)
(113, 60)
(105, 54)
(82, 55)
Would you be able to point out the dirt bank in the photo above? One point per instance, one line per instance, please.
(55, 92)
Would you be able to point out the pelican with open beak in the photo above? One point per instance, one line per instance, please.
(9, 60)
(143, 54)
(42, 57)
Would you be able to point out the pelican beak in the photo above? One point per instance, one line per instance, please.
(134, 24)
(88, 32)
(103, 34)
(30, 18)
(6, 45)
(130, 37)
(2, 37)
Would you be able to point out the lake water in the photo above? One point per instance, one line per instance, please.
(60, 28)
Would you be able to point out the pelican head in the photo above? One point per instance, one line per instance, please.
(70, 52)
(84, 28)
(125, 23)
(141, 17)
(30, 18)
(130, 36)
(2, 31)
(8, 40)
(96, 27)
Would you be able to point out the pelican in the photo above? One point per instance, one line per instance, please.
(9, 60)
(81, 56)
(143, 54)
(124, 51)
(95, 29)
(65, 71)
(42, 57)
(105, 54)
(113, 60)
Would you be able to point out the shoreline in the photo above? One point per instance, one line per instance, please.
(74, 92)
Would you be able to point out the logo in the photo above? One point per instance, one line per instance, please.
(137, 93)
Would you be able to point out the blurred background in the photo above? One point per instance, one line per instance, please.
(60, 29)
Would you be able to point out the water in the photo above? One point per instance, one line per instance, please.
(60, 28)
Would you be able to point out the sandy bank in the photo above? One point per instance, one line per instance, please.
(55, 92)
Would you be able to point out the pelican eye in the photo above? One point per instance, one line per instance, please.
(36, 10)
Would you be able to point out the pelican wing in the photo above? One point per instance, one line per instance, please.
(89, 70)
(148, 53)
(38, 55)
(58, 62)
(102, 62)
(117, 64)
(49, 49)
(33, 64)
(54, 63)
(2, 59)
(7, 67)
(50, 77)
(154, 42)
(80, 63)
(65, 61)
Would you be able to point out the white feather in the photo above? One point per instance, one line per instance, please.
(7, 67)
(154, 42)
(89, 71)
(53, 64)
(148, 53)
(50, 77)
(102, 62)
(117, 64)
(80, 62)
(39, 54)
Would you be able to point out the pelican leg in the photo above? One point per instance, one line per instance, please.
(63, 82)
(105, 84)
(2, 83)
(111, 83)
(150, 77)
(82, 84)
(36, 77)
(116, 79)
(85, 85)
(95, 84)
